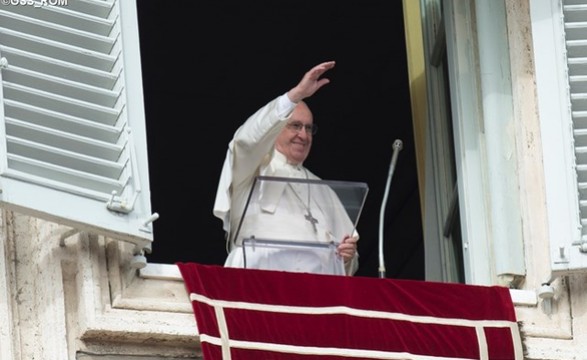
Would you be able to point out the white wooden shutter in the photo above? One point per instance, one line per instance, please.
(73, 146)
(575, 30)
(560, 54)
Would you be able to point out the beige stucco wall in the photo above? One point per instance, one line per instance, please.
(562, 333)
(73, 295)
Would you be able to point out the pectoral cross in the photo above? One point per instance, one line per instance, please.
(312, 220)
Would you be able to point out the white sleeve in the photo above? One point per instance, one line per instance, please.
(285, 106)
(254, 139)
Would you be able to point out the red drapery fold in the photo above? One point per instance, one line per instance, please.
(244, 314)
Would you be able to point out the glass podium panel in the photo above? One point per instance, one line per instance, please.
(293, 256)
(293, 224)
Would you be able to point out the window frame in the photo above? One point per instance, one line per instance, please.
(482, 225)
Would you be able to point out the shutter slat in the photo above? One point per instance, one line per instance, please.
(63, 140)
(98, 8)
(55, 120)
(60, 68)
(46, 173)
(62, 104)
(64, 16)
(57, 50)
(56, 32)
(60, 86)
(67, 159)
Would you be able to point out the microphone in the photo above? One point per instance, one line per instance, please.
(397, 146)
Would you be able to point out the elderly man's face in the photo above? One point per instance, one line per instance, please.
(295, 139)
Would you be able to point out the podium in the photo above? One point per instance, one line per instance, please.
(295, 225)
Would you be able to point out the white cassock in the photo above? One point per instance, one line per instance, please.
(283, 209)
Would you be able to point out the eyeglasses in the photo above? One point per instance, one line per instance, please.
(297, 126)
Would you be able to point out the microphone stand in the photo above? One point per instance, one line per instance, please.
(397, 146)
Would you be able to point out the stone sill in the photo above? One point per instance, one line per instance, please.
(171, 272)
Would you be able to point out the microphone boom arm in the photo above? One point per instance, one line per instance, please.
(397, 146)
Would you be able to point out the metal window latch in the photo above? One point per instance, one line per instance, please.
(148, 221)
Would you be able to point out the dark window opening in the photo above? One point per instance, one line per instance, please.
(233, 57)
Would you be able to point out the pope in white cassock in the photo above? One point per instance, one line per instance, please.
(274, 142)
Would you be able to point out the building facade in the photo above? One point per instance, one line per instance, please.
(498, 106)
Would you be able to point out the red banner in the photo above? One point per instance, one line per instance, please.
(246, 314)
